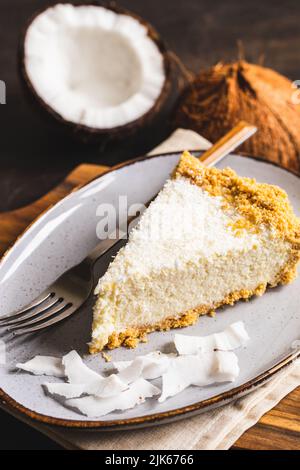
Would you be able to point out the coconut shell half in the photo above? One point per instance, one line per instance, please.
(146, 106)
(227, 93)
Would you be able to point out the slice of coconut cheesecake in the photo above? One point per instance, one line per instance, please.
(209, 239)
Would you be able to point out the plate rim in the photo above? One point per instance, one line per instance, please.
(9, 403)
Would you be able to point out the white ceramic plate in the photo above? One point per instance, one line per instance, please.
(64, 235)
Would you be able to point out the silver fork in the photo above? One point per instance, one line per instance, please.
(72, 289)
(61, 299)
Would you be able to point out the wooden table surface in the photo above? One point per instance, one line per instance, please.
(33, 159)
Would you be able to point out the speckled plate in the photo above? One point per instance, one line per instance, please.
(64, 235)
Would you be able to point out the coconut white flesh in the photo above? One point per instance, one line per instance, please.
(103, 387)
(96, 407)
(43, 365)
(201, 370)
(93, 66)
(231, 338)
(93, 383)
(65, 390)
(2, 353)
(108, 387)
(94, 395)
(77, 372)
(148, 367)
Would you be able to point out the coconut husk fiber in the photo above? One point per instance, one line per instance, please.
(220, 97)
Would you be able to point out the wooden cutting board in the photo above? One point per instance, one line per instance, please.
(278, 429)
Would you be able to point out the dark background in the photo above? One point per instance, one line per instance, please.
(201, 32)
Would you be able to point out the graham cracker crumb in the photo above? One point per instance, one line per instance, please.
(106, 357)
(258, 203)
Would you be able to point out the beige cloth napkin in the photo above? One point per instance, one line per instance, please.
(213, 430)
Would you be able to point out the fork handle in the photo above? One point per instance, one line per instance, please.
(229, 142)
(103, 247)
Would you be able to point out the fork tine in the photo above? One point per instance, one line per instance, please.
(35, 303)
(66, 311)
(32, 313)
(49, 312)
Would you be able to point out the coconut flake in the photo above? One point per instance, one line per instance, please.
(43, 365)
(94, 395)
(2, 353)
(135, 395)
(77, 372)
(148, 367)
(201, 370)
(90, 382)
(231, 338)
(65, 390)
(107, 387)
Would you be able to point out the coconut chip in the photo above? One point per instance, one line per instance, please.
(43, 365)
(232, 338)
(148, 367)
(204, 361)
(135, 395)
(201, 370)
(93, 384)
(84, 381)
(65, 390)
(102, 388)
(108, 387)
(77, 372)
